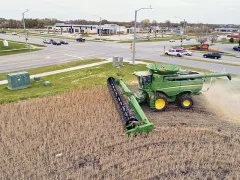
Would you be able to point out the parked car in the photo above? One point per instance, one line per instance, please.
(3, 32)
(80, 39)
(188, 39)
(173, 52)
(213, 55)
(172, 40)
(236, 48)
(14, 33)
(51, 40)
(47, 41)
(63, 42)
(56, 42)
(187, 53)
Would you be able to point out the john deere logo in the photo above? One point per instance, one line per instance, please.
(163, 68)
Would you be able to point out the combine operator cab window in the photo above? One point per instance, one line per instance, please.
(140, 82)
(146, 80)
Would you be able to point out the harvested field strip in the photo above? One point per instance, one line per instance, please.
(77, 135)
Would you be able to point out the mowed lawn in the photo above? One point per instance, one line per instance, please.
(68, 81)
(11, 45)
(15, 47)
(32, 71)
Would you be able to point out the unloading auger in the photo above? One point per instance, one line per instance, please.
(133, 117)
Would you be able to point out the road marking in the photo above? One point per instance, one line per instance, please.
(73, 56)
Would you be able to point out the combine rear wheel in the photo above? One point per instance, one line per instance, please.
(185, 101)
(161, 102)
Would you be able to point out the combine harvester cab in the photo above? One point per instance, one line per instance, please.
(133, 117)
(158, 86)
(164, 83)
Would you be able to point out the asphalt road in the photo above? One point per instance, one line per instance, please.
(77, 51)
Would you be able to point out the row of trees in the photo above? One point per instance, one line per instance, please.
(202, 39)
(213, 38)
(40, 23)
(30, 23)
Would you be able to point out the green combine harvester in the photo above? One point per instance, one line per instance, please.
(158, 86)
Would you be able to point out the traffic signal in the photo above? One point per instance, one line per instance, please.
(91, 27)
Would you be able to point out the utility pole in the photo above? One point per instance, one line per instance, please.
(25, 27)
(100, 26)
(100, 32)
(135, 27)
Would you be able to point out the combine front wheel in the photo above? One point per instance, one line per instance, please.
(185, 101)
(161, 102)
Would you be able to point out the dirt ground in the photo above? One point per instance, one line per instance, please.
(78, 135)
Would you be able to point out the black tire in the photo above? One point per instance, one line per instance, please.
(161, 102)
(185, 101)
(216, 57)
(205, 56)
(178, 55)
(166, 53)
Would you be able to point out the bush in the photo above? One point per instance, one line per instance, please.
(231, 40)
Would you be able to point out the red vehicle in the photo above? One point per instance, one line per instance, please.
(234, 36)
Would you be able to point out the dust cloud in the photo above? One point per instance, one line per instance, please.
(223, 98)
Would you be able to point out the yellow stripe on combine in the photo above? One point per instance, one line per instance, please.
(180, 86)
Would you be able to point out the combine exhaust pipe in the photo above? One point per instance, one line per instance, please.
(132, 114)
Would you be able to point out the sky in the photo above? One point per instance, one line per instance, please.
(194, 11)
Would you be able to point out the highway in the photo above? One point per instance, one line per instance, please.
(79, 51)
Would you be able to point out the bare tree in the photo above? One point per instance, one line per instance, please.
(154, 23)
(201, 39)
(213, 38)
(168, 23)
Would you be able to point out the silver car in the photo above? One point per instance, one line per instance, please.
(46, 41)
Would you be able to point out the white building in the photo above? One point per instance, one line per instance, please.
(90, 29)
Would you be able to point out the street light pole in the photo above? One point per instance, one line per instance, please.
(135, 27)
(24, 26)
(183, 33)
(134, 38)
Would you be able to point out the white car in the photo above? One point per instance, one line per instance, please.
(47, 41)
(187, 53)
(174, 52)
(172, 40)
(14, 33)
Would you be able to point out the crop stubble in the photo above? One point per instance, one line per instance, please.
(77, 135)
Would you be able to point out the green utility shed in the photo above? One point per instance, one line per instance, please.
(18, 80)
